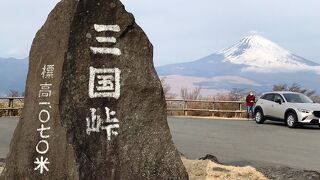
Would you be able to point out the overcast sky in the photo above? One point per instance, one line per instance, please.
(185, 30)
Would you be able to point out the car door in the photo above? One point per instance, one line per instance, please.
(267, 104)
(278, 110)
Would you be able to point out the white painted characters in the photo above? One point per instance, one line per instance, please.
(45, 90)
(104, 83)
(113, 40)
(110, 124)
(42, 147)
(47, 71)
(41, 164)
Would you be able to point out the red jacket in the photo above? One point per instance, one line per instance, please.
(250, 100)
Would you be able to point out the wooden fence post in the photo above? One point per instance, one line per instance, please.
(240, 108)
(10, 105)
(213, 109)
(185, 108)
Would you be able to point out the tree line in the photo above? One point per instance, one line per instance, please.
(235, 94)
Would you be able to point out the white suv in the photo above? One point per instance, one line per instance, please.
(293, 108)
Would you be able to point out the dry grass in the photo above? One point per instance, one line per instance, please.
(208, 170)
(4, 104)
(205, 105)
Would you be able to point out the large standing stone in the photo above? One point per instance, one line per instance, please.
(102, 101)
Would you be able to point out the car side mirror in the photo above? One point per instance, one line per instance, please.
(278, 101)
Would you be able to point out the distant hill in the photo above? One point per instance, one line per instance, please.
(253, 63)
(13, 74)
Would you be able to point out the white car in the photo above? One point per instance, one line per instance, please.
(293, 108)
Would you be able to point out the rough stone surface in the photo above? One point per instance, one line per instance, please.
(48, 47)
(287, 173)
(143, 148)
(211, 158)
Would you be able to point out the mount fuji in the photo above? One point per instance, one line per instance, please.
(254, 63)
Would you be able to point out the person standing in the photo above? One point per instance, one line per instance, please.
(250, 100)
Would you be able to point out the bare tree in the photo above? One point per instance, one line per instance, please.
(280, 87)
(166, 89)
(196, 93)
(193, 95)
(221, 97)
(236, 94)
(295, 87)
(184, 93)
(311, 93)
(13, 93)
(316, 99)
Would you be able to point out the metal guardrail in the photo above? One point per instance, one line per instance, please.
(186, 106)
(212, 109)
(11, 108)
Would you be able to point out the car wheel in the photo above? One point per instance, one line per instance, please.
(292, 120)
(259, 117)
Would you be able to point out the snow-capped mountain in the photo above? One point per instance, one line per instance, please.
(260, 54)
(253, 63)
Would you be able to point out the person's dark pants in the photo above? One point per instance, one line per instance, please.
(250, 109)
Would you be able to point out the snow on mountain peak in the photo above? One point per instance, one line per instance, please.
(259, 53)
(258, 41)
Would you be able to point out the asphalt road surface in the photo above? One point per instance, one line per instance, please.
(234, 142)
(242, 143)
(7, 126)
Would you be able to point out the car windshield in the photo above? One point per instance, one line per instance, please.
(297, 98)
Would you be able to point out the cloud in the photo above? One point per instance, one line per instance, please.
(14, 53)
(282, 69)
(186, 30)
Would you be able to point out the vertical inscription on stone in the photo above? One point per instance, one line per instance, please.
(104, 83)
(45, 92)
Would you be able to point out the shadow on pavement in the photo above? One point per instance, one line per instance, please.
(312, 127)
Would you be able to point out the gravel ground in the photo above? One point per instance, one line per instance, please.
(286, 173)
(209, 170)
(249, 173)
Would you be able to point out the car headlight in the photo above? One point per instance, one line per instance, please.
(304, 110)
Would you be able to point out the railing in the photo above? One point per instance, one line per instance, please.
(175, 107)
(10, 109)
(206, 108)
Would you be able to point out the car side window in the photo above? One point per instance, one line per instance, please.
(277, 96)
(269, 97)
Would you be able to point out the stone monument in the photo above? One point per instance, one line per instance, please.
(94, 105)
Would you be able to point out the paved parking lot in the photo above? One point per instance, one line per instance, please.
(247, 143)
(234, 142)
